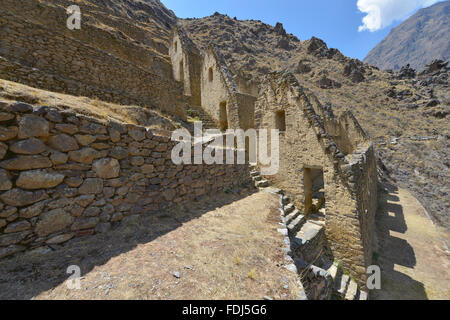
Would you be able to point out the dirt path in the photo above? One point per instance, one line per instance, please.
(228, 248)
(410, 250)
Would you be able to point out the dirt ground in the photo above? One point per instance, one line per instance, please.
(224, 248)
(410, 251)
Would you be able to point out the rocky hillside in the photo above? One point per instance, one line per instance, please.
(420, 39)
(406, 114)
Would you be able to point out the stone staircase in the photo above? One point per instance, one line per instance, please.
(345, 288)
(306, 238)
(199, 114)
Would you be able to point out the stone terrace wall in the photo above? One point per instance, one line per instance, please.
(37, 56)
(364, 183)
(64, 175)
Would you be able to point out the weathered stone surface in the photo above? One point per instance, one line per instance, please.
(5, 116)
(68, 128)
(92, 212)
(20, 198)
(85, 200)
(169, 194)
(8, 251)
(103, 227)
(107, 168)
(59, 158)
(114, 135)
(33, 210)
(85, 223)
(76, 210)
(30, 146)
(7, 212)
(119, 153)
(63, 142)
(91, 186)
(60, 238)
(53, 221)
(8, 133)
(3, 149)
(39, 179)
(147, 169)
(116, 217)
(137, 161)
(21, 107)
(17, 227)
(2, 223)
(74, 182)
(13, 238)
(93, 128)
(5, 182)
(85, 155)
(100, 146)
(85, 140)
(137, 134)
(54, 116)
(22, 163)
(33, 126)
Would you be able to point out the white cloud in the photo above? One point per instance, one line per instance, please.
(381, 13)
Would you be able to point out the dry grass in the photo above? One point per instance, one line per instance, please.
(11, 91)
(221, 251)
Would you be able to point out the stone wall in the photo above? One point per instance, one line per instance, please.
(246, 110)
(64, 175)
(350, 181)
(37, 56)
(186, 65)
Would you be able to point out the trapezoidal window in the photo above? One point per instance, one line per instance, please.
(223, 117)
(210, 74)
(181, 76)
(314, 188)
(280, 120)
(176, 46)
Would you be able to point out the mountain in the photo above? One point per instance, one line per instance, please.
(422, 38)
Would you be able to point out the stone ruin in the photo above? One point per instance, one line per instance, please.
(65, 175)
(327, 163)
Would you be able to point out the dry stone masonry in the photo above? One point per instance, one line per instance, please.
(65, 175)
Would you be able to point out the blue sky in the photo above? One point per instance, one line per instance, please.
(338, 22)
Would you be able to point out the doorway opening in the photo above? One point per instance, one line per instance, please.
(223, 117)
(181, 71)
(314, 189)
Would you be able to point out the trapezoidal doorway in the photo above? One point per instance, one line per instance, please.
(223, 116)
(314, 189)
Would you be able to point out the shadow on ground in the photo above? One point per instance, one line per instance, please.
(394, 251)
(26, 275)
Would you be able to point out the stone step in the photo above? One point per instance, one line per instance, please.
(296, 224)
(317, 222)
(257, 178)
(308, 243)
(255, 173)
(352, 291)
(273, 190)
(333, 271)
(285, 200)
(342, 285)
(262, 184)
(363, 295)
(288, 208)
(291, 217)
